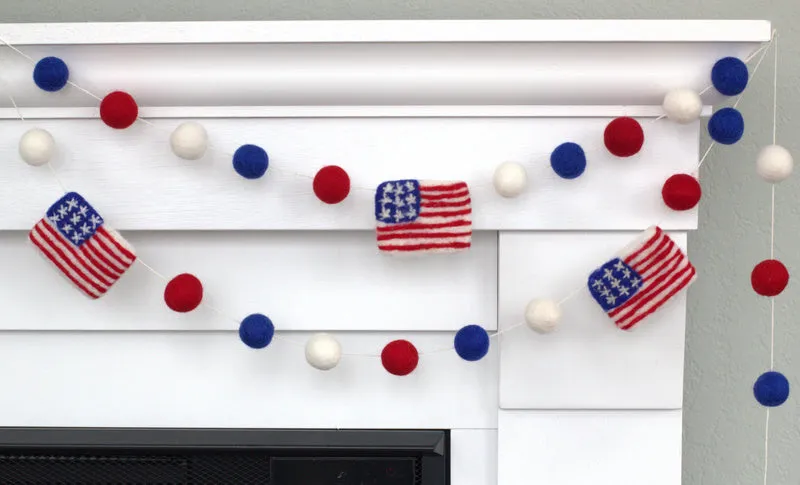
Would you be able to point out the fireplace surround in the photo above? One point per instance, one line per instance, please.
(108, 456)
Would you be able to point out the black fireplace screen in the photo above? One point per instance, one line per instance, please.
(65, 456)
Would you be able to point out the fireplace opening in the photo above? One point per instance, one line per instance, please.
(103, 456)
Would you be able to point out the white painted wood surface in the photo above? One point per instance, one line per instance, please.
(135, 182)
(172, 379)
(579, 448)
(336, 281)
(587, 362)
(473, 457)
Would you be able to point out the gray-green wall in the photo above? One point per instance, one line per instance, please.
(727, 338)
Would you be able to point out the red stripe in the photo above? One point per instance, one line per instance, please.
(644, 247)
(418, 247)
(87, 265)
(446, 204)
(107, 270)
(655, 257)
(114, 265)
(436, 235)
(116, 243)
(462, 212)
(58, 265)
(654, 286)
(118, 262)
(664, 299)
(655, 293)
(63, 256)
(452, 195)
(440, 188)
(403, 227)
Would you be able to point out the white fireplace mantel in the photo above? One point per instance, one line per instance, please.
(385, 100)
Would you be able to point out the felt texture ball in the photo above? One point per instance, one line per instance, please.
(510, 179)
(189, 140)
(774, 163)
(771, 389)
(726, 126)
(183, 293)
(323, 351)
(729, 76)
(36, 147)
(681, 192)
(682, 105)
(543, 316)
(400, 357)
(250, 161)
(568, 160)
(623, 137)
(51, 74)
(472, 343)
(256, 331)
(118, 110)
(769, 277)
(331, 184)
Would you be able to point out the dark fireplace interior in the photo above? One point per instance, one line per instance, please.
(102, 456)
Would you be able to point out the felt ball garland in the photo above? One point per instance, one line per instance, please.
(682, 105)
(36, 147)
(472, 343)
(774, 163)
(769, 277)
(323, 351)
(189, 140)
(543, 315)
(623, 137)
(771, 389)
(510, 179)
(726, 126)
(331, 184)
(568, 160)
(51, 74)
(400, 357)
(729, 76)
(681, 192)
(256, 331)
(118, 110)
(183, 293)
(250, 161)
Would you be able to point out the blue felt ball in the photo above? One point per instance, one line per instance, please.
(250, 161)
(472, 343)
(568, 160)
(51, 74)
(256, 331)
(726, 126)
(771, 389)
(729, 76)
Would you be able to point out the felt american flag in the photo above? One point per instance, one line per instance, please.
(73, 238)
(641, 279)
(423, 216)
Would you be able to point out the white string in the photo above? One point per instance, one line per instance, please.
(766, 447)
(371, 189)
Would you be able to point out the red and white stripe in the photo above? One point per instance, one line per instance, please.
(94, 266)
(444, 223)
(665, 270)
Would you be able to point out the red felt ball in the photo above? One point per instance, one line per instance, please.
(331, 184)
(681, 192)
(183, 293)
(769, 277)
(624, 137)
(118, 110)
(400, 357)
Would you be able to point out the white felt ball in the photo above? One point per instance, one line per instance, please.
(774, 163)
(682, 105)
(36, 147)
(543, 315)
(510, 179)
(189, 140)
(323, 351)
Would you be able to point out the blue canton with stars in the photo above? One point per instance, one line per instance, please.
(614, 283)
(397, 201)
(74, 218)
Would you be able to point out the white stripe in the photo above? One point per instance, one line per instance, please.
(442, 219)
(674, 268)
(422, 230)
(126, 261)
(463, 198)
(659, 298)
(49, 250)
(414, 242)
